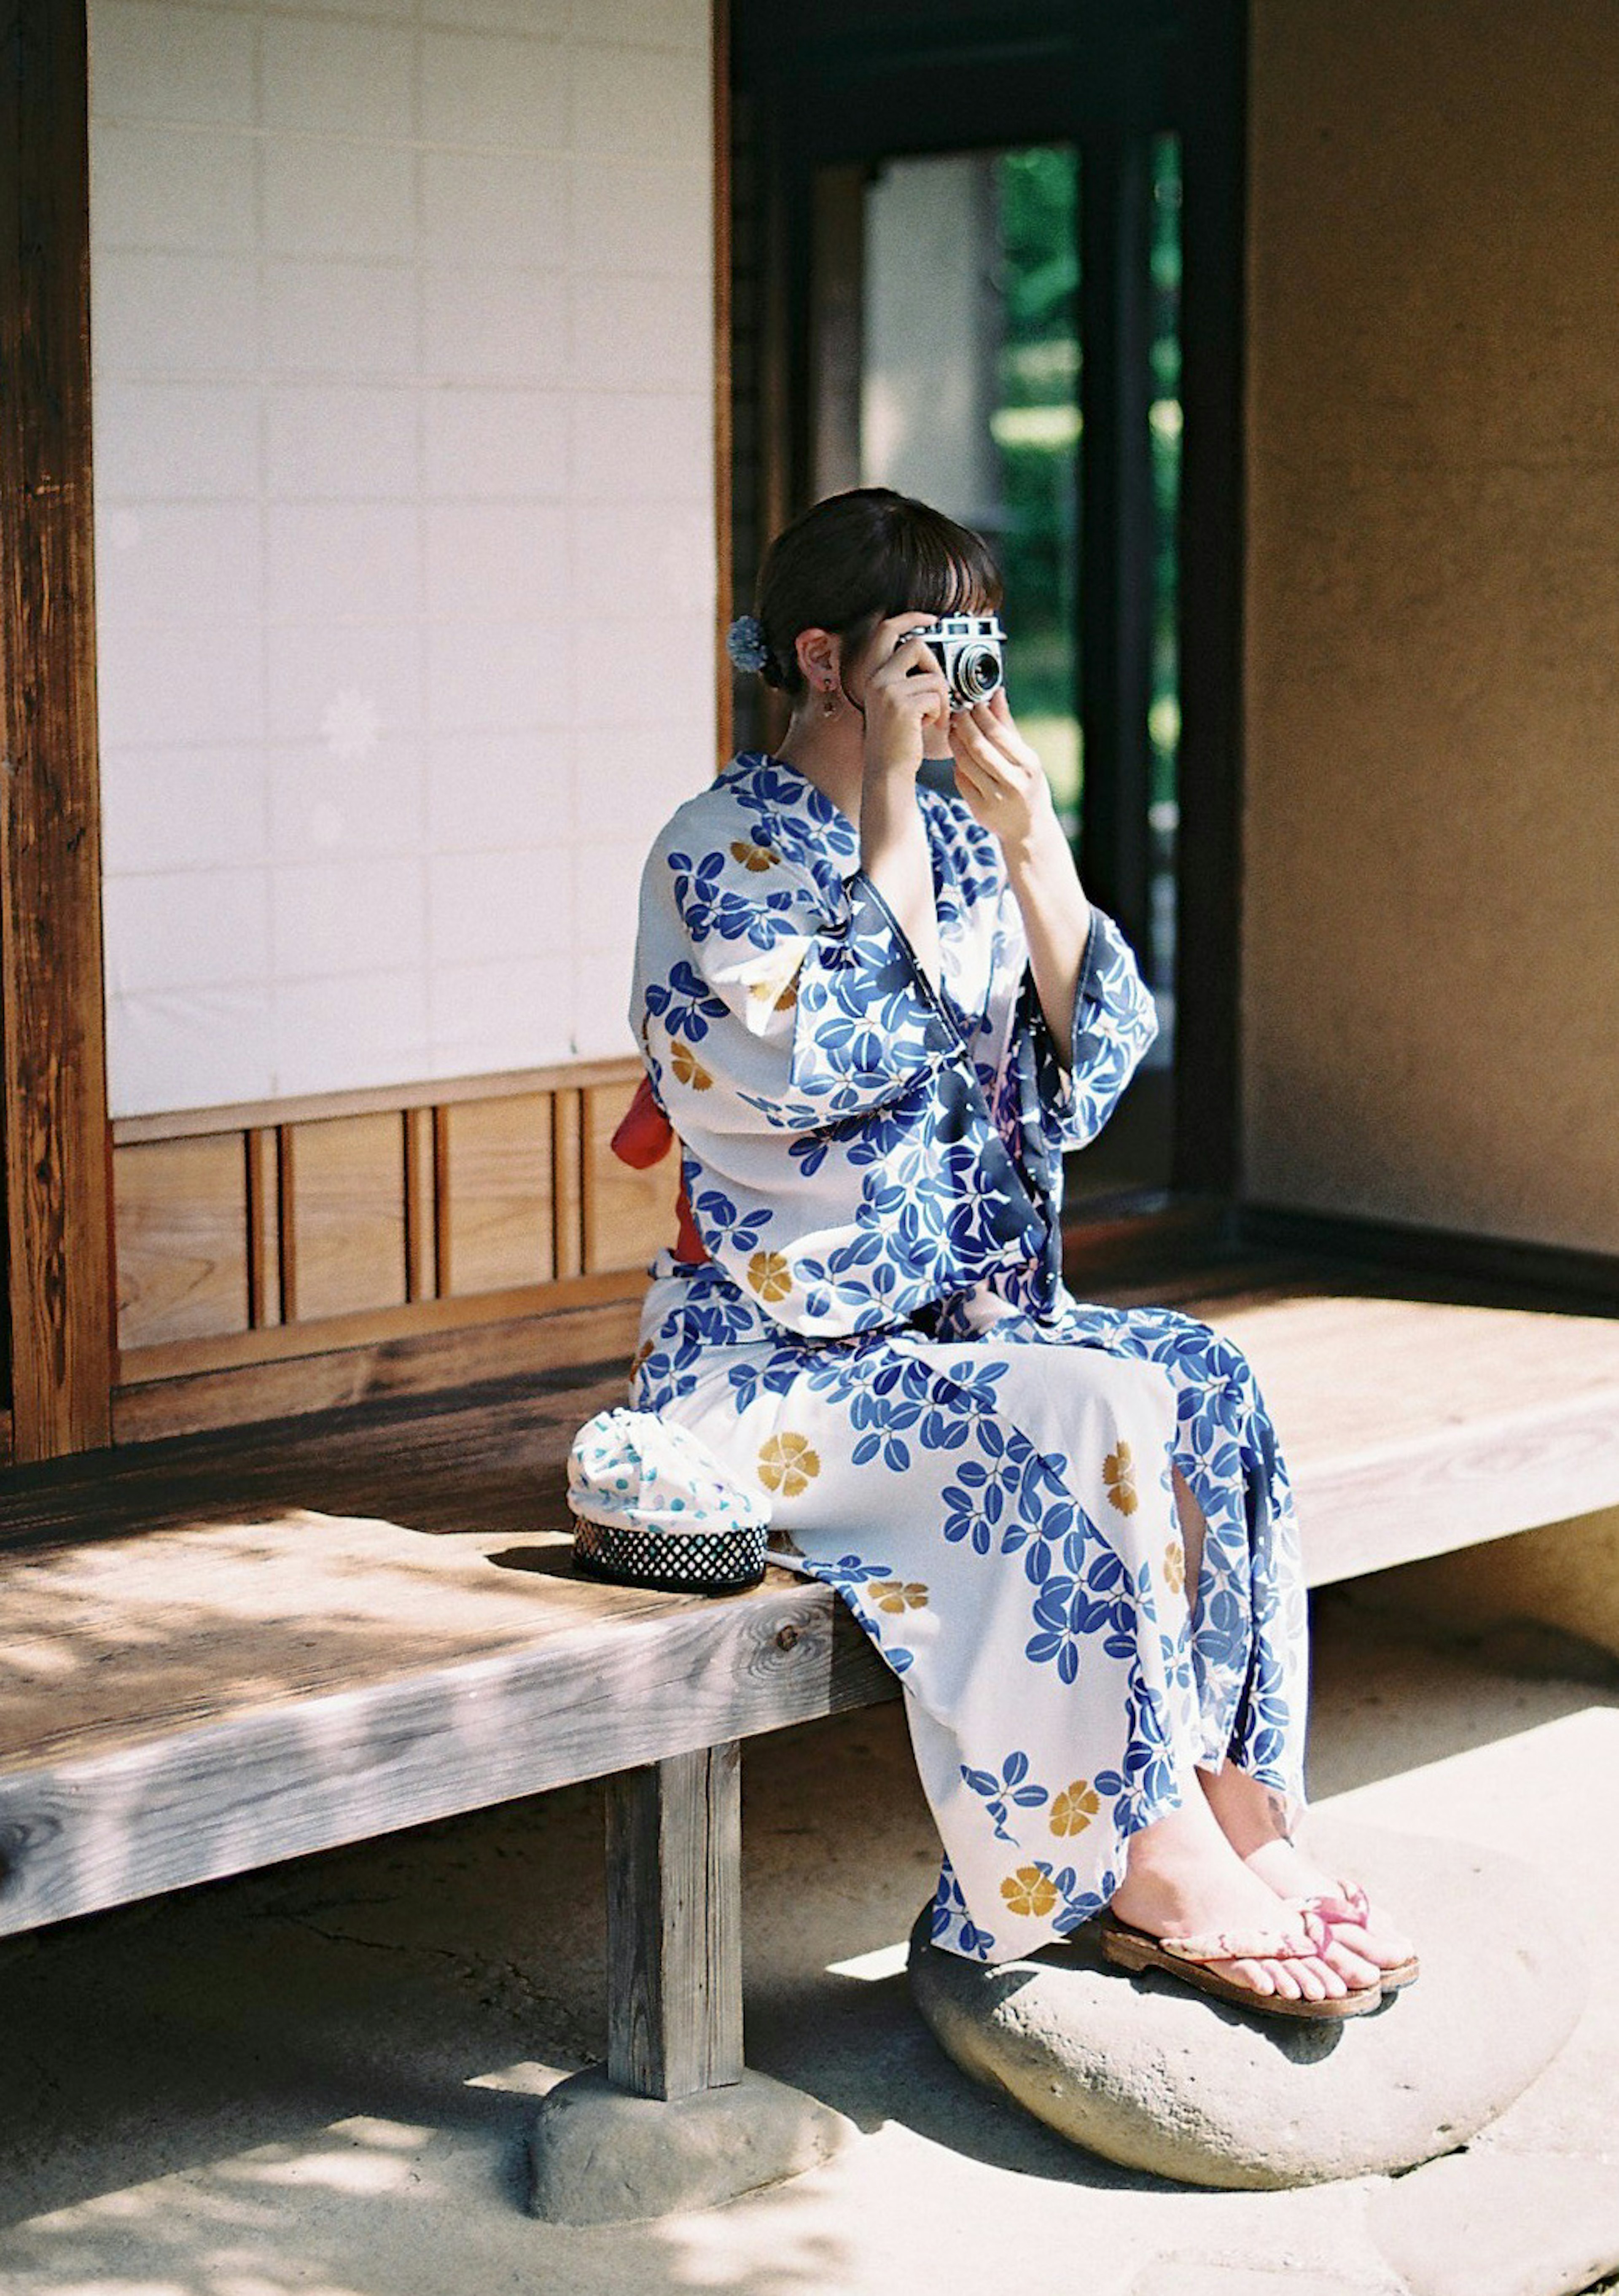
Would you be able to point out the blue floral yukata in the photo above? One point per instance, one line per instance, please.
(881, 1338)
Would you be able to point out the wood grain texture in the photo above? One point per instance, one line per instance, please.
(1414, 1425)
(368, 1326)
(628, 1213)
(420, 1223)
(499, 1161)
(57, 1254)
(719, 98)
(184, 1223)
(567, 1182)
(94, 1819)
(417, 1362)
(263, 1228)
(674, 1923)
(384, 1217)
(371, 1099)
(286, 1224)
(350, 1192)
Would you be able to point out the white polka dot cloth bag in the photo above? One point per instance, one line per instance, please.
(654, 1507)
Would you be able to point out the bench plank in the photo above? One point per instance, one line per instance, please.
(1414, 1426)
(224, 1794)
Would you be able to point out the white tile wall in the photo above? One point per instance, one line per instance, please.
(402, 364)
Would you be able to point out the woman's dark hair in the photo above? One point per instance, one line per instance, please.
(855, 559)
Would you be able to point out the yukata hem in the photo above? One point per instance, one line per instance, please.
(1054, 1933)
(1063, 1933)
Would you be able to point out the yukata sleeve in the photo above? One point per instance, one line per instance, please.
(775, 1000)
(1114, 1022)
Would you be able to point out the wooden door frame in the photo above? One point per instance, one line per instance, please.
(56, 1234)
(1033, 74)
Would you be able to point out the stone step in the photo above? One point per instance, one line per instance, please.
(1151, 2074)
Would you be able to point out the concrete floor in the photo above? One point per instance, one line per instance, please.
(318, 2079)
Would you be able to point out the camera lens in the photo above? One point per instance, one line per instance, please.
(977, 672)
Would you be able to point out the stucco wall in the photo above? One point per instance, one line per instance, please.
(1431, 943)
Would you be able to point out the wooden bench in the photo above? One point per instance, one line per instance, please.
(228, 1650)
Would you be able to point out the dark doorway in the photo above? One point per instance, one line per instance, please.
(963, 257)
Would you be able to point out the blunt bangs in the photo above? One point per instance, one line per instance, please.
(932, 564)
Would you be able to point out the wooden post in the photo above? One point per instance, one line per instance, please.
(56, 1233)
(674, 1924)
(1211, 106)
(1116, 529)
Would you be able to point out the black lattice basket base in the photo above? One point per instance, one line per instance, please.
(676, 1563)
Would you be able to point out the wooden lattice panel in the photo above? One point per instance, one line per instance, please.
(250, 1233)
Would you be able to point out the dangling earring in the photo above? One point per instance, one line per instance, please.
(829, 703)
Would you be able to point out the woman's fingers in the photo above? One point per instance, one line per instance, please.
(973, 782)
(1008, 772)
(996, 717)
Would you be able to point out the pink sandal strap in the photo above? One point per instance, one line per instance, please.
(1348, 1903)
(1254, 1945)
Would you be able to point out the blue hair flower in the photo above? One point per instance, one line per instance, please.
(745, 642)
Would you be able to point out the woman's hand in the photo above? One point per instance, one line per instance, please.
(907, 694)
(1001, 779)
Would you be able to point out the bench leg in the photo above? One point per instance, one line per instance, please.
(673, 2120)
(674, 1924)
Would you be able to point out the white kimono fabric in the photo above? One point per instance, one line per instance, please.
(977, 1461)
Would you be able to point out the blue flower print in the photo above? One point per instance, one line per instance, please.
(684, 1002)
(1012, 1788)
(949, 1920)
(707, 906)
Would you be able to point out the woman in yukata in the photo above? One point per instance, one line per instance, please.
(875, 1017)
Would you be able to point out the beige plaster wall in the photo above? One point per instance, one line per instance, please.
(1431, 946)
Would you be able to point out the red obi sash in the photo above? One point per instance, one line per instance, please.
(645, 1136)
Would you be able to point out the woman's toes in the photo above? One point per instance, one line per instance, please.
(1257, 1975)
(1378, 1950)
(1353, 1967)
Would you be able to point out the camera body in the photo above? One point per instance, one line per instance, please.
(970, 650)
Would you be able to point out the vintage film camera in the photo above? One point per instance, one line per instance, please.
(969, 649)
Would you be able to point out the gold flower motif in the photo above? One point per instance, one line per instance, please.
(1073, 1808)
(1120, 1477)
(756, 857)
(687, 1068)
(1030, 1892)
(1174, 1565)
(891, 1595)
(779, 1000)
(769, 1275)
(788, 1464)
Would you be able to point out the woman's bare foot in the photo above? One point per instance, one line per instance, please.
(1182, 1876)
(1253, 1818)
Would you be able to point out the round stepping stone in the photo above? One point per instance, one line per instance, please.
(1147, 2072)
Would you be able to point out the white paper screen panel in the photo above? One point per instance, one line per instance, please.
(401, 326)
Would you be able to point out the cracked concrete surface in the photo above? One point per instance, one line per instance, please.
(319, 2078)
